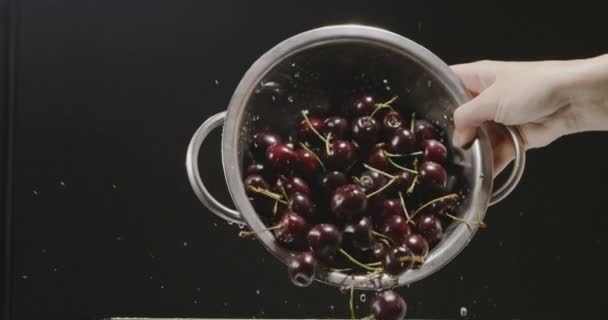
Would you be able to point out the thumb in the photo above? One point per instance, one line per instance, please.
(471, 115)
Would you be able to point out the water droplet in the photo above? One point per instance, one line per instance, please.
(241, 226)
(215, 224)
(296, 75)
(43, 251)
(362, 297)
(357, 307)
(35, 192)
(185, 244)
(290, 99)
(150, 277)
(62, 184)
(198, 289)
(419, 26)
(388, 88)
(55, 269)
(230, 223)
(261, 312)
(331, 307)
(461, 278)
(257, 291)
(429, 83)
(114, 186)
(385, 81)
(24, 276)
(500, 243)
(119, 238)
(195, 301)
(162, 286)
(293, 64)
(274, 98)
(521, 214)
(217, 83)
(463, 311)
(285, 302)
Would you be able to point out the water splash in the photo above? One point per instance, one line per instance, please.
(362, 297)
(24, 276)
(463, 312)
(62, 184)
(217, 83)
(257, 291)
(114, 186)
(185, 244)
(35, 192)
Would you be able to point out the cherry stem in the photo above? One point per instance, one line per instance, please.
(407, 215)
(412, 122)
(398, 166)
(355, 261)
(382, 236)
(326, 140)
(432, 202)
(327, 146)
(244, 234)
(351, 300)
(468, 223)
(275, 208)
(314, 155)
(388, 184)
(270, 194)
(370, 317)
(340, 270)
(419, 259)
(392, 155)
(388, 175)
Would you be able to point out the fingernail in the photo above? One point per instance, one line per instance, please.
(458, 139)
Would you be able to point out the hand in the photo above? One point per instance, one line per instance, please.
(543, 100)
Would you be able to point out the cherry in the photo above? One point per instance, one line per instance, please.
(430, 227)
(324, 240)
(332, 181)
(391, 122)
(305, 133)
(425, 130)
(417, 244)
(363, 106)
(377, 158)
(341, 155)
(371, 181)
(403, 181)
(301, 203)
(255, 181)
(262, 141)
(377, 251)
(398, 260)
(293, 184)
(255, 168)
(388, 305)
(301, 269)
(434, 151)
(261, 203)
(402, 142)
(360, 233)
(432, 176)
(281, 157)
(307, 163)
(348, 201)
(390, 207)
(365, 131)
(336, 126)
(396, 228)
(292, 229)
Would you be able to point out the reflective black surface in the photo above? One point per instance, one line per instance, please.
(104, 221)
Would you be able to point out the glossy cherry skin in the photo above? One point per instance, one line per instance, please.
(425, 130)
(336, 126)
(348, 201)
(341, 155)
(396, 228)
(332, 181)
(280, 157)
(292, 185)
(388, 305)
(417, 244)
(434, 151)
(391, 122)
(402, 141)
(365, 131)
(306, 163)
(262, 141)
(305, 133)
(324, 239)
(432, 176)
(301, 204)
(403, 182)
(261, 203)
(363, 106)
(377, 251)
(398, 260)
(292, 231)
(301, 269)
(390, 207)
(371, 181)
(359, 233)
(429, 226)
(378, 159)
(255, 181)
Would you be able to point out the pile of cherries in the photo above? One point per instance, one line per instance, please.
(364, 190)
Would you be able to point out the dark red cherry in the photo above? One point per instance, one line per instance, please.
(332, 181)
(391, 122)
(256, 181)
(363, 106)
(301, 269)
(341, 155)
(425, 130)
(292, 230)
(359, 233)
(293, 184)
(430, 228)
(417, 244)
(434, 151)
(365, 131)
(301, 204)
(396, 228)
(336, 126)
(371, 181)
(305, 133)
(348, 201)
(261, 141)
(306, 163)
(388, 305)
(377, 159)
(403, 181)
(280, 157)
(432, 176)
(255, 168)
(402, 141)
(398, 260)
(390, 207)
(377, 251)
(261, 203)
(324, 239)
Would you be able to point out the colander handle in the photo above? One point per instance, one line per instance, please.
(517, 171)
(194, 175)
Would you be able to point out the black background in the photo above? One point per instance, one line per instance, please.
(104, 222)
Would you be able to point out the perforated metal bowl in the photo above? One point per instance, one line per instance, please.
(317, 68)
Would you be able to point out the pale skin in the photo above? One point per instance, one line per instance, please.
(544, 100)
